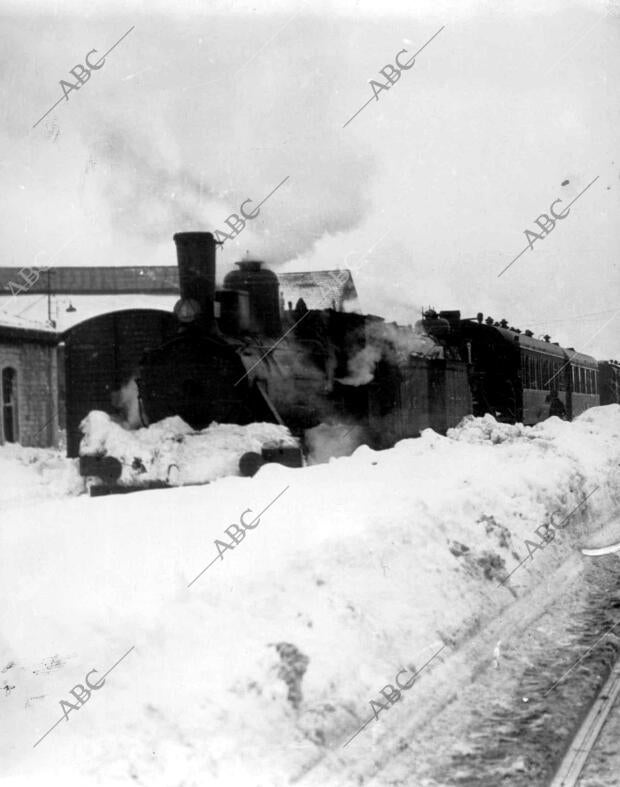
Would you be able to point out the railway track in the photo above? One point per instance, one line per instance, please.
(576, 756)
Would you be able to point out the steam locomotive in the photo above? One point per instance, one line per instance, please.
(235, 355)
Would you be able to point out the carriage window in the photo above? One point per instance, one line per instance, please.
(541, 373)
(9, 405)
(528, 366)
(530, 372)
(527, 371)
(596, 381)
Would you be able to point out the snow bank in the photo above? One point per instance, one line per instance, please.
(28, 474)
(173, 452)
(258, 672)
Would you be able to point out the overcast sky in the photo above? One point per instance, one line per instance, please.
(425, 195)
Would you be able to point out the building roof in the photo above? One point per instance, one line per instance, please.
(319, 288)
(548, 348)
(315, 287)
(95, 280)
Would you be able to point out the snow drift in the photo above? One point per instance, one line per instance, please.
(28, 474)
(261, 670)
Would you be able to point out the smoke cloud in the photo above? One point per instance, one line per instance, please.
(125, 402)
(331, 440)
(197, 111)
(362, 366)
(395, 343)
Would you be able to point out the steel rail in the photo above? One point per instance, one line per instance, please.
(582, 744)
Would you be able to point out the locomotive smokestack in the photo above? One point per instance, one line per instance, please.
(196, 261)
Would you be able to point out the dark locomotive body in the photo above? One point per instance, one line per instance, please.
(290, 366)
(235, 355)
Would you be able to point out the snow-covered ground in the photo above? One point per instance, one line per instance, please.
(260, 670)
(32, 474)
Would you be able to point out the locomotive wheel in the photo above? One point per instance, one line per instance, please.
(249, 463)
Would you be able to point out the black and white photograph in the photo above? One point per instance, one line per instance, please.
(310, 393)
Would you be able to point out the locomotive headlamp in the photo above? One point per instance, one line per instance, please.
(186, 310)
